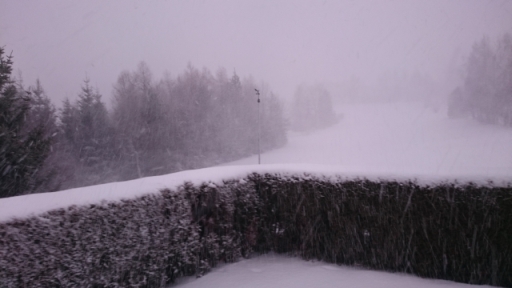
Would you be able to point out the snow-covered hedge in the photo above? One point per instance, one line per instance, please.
(461, 232)
(143, 242)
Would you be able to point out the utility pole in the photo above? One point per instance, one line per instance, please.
(259, 126)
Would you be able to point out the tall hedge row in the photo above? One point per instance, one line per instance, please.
(460, 232)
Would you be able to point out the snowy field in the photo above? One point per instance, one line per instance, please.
(275, 271)
(405, 138)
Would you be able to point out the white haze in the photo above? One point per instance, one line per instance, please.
(356, 49)
(284, 43)
(401, 139)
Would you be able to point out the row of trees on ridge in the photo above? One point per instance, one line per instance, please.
(155, 126)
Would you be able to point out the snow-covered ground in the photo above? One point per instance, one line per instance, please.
(275, 271)
(404, 138)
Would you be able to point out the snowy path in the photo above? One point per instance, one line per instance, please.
(275, 271)
(401, 138)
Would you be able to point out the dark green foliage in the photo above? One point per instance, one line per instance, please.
(27, 123)
(92, 131)
(5, 70)
(87, 137)
(460, 232)
(42, 115)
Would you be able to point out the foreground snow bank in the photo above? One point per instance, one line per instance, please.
(277, 271)
(34, 204)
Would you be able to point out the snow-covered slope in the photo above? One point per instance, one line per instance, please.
(401, 138)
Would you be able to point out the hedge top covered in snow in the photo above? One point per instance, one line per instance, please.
(34, 204)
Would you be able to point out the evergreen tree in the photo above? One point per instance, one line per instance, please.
(51, 174)
(92, 139)
(88, 139)
(25, 141)
(69, 122)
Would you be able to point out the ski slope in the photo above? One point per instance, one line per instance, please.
(403, 138)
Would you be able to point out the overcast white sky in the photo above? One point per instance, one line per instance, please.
(283, 43)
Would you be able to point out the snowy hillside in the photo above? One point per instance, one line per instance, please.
(401, 138)
(408, 141)
(376, 141)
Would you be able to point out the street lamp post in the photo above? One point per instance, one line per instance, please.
(259, 129)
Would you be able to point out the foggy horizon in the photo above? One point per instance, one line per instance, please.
(285, 43)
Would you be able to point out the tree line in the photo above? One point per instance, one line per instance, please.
(486, 93)
(312, 109)
(155, 126)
